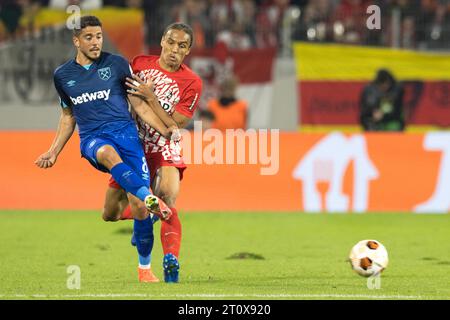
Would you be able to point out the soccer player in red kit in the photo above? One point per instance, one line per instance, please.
(173, 91)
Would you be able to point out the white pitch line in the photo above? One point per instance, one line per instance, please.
(212, 295)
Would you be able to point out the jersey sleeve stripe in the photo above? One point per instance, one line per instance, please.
(193, 102)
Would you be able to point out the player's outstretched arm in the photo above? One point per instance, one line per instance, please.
(138, 88)
(66, 127)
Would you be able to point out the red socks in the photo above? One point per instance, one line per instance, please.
(171, 234)
(170, 231)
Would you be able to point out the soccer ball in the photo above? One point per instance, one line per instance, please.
(368, 258)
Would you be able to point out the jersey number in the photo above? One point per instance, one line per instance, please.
(144, 165)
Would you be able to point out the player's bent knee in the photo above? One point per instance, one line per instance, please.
(110, 218)
(107, 156)
(110, 215)
(105, 152)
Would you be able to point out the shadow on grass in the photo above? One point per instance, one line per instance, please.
(245, 256)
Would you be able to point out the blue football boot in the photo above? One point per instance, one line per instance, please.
(171, 267)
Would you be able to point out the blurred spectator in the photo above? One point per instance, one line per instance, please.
(30, 9)
(235, 38)
(245, 12)
(233, 22)
(441, 28)
(219, 11)
(403, 13)
(157, 15)
(126, 3)
(315, 21)
(244, 24)
(10, 13)
(381, 104)
(269, 23)
(193, 12)
(431, 18)
(83, 4)
(229, 112)
(425, 18)
(115, 3)
(134, 3)
(18, 16)
(350, 17)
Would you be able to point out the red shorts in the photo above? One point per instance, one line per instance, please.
(155, 160)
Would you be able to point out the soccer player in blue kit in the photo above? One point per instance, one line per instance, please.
(93, 96)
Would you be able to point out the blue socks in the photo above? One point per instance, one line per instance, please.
(143, 233)
(143, 229)
(130, 181)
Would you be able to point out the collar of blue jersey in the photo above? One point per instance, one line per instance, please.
(91, 64)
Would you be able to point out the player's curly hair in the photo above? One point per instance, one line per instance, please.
(87, 21)
(183, 27)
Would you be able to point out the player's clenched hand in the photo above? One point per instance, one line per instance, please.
(175, 134)
(138, 87)
(46, 160)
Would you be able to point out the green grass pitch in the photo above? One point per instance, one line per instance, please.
(225, 256)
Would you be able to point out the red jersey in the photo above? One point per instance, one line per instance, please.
(176, 91)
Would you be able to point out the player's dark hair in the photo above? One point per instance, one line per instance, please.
(182, 27)
(87, 21)
(384, 76)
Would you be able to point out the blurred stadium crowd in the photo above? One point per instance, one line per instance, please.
(243, 24)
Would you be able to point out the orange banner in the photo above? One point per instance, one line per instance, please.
(297, 172)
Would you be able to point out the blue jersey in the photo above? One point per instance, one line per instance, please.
(97, 95)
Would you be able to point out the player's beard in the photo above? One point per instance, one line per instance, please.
(94, 55)
(91, 55)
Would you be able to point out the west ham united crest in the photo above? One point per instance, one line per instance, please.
(104, 73)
